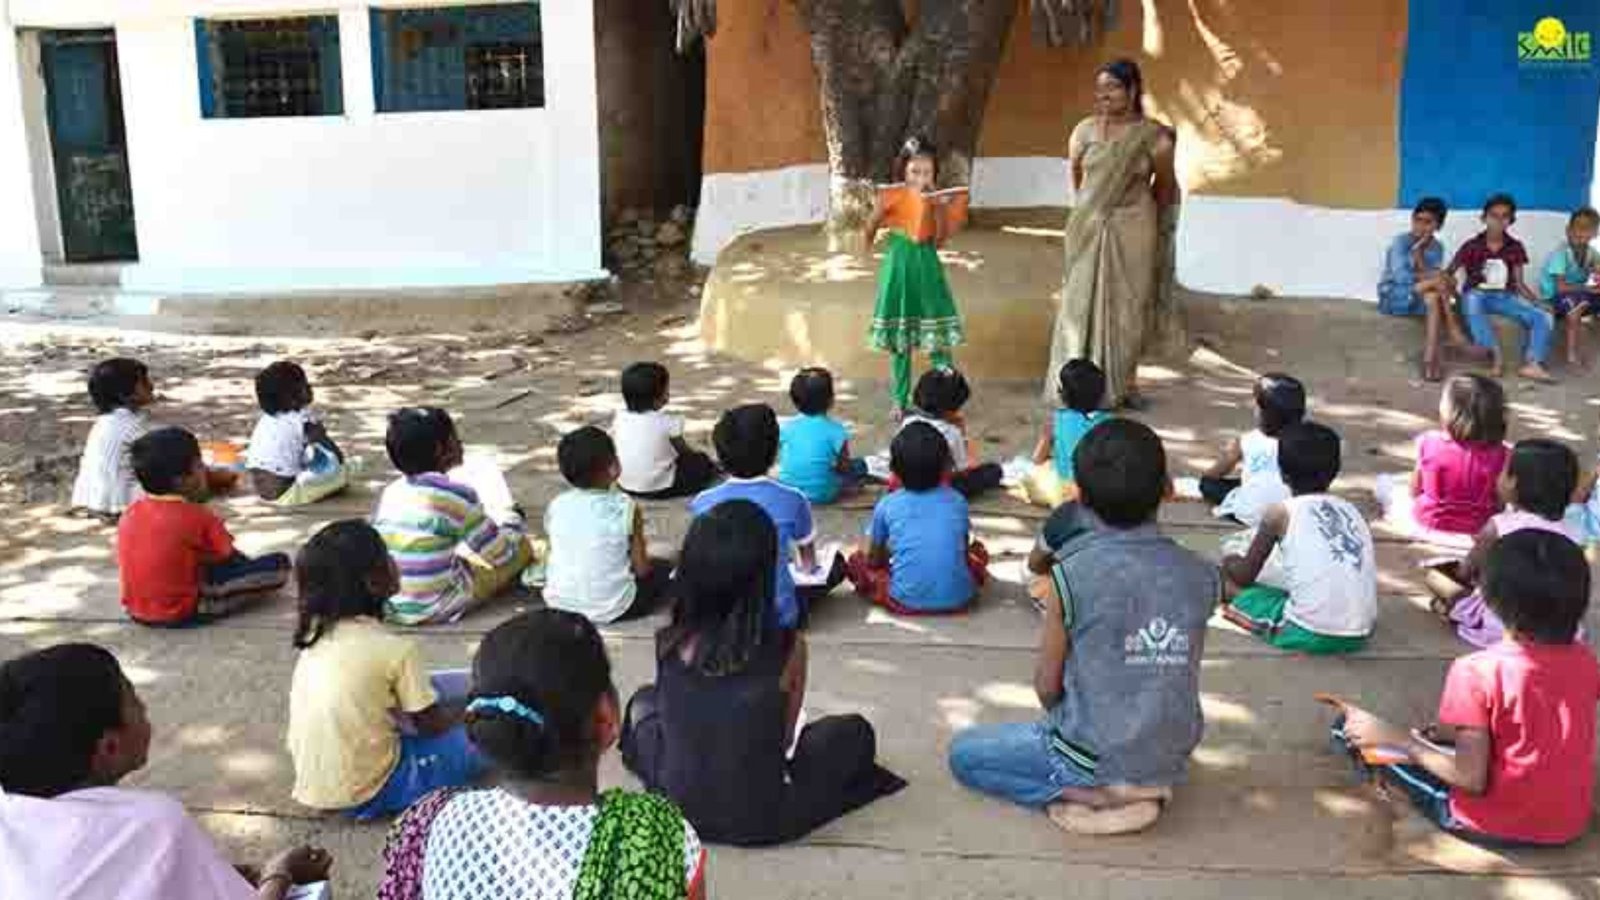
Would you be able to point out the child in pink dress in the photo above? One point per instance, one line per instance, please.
(1536, 487)
(1453, 490)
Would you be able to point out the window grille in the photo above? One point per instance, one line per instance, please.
(257, 68)
(463, 57)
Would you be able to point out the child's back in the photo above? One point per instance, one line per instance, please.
(1456, 482)
(120, 389)
(926, 533)
(808, 456)
(1068, 430)
(591, 534)
(162, 543)
(1329, 567)
(644, 446)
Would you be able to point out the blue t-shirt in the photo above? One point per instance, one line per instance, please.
(1564, 263)
(1398, 276)
(790, 512)
(808, 456)
(1070, 427)
(926, 533)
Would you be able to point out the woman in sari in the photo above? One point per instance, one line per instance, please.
(1117, 299)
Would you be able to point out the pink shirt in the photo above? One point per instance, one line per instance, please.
(110, 842)
(1538, 703)
(1457, 483)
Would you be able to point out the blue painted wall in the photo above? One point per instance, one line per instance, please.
(1474, 119)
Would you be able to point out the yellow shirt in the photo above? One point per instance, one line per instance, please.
(344, 743)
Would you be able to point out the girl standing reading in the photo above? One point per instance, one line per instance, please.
(915, 310)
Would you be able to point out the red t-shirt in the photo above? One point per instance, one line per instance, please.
(1457, 483)
(161, 544)
(1538, 703)
(1475, 252)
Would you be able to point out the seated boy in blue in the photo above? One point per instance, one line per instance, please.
(1567, 279)
(1414, 284)
(1082, 388)
(919, 558)
(1118, 670)
(746, 439)
(814, 448)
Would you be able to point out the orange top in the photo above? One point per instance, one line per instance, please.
(908, 211)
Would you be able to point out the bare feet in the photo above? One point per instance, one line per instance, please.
(1535, 372)
(1431, 370)
(1077, 818)
(1496, 367)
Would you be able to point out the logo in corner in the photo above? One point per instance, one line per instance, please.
(1551, 43)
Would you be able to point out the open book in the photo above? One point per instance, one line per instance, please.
(1387, 754)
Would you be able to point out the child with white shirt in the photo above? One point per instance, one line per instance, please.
(121, 390)
(1280, 402)
(657, 464)
(291, 459)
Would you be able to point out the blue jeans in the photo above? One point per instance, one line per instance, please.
(1014, 762)
(427, 763)
(1478, 305)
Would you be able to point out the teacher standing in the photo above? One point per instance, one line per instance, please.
(1117, 296)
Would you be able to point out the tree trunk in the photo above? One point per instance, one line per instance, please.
(884, 79)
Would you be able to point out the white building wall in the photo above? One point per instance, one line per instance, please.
(20, 264)
(353, 201)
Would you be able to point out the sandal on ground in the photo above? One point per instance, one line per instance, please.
(1432, 371)
(1536, 372)
(1078, 818)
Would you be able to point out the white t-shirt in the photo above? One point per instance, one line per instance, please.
(1328, 566)
(952, 436)
(590, 570)
(644, 448)
(105, 480)
(278, 443)
(1263, 482)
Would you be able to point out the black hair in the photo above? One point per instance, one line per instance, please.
(746, 438)
(1433, 206)
(941, 391)
(417, 438)
(55, 705)
(920, 456)
(280, 386)
(113, 381)
(584, 455)
(162, 457)
(1477, 409)
(1082, 385)
(1546, 473)
(812, 391)
(1501, 199)
(915, 146)
(1280, 401)
(643, 385)
(1308, 457)
(334, 571)
(554, 663)
(1127, 74)
(1585, 214)
(1538, 583)
(1121, 468)
(724, 589)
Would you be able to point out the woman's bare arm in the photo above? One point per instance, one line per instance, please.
(1165, 184)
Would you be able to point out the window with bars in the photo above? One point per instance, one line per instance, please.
(458, 57)
(257, 68)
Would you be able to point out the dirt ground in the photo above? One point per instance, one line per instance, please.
(1269, 810)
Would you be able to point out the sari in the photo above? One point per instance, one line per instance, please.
(1117, 299)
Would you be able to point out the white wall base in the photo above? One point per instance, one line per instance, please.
(263, 280)
(1225, 244)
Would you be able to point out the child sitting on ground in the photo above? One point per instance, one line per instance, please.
(813, 448)
(544, 711)
(1511, 761)
(1414, 283)
(1280, 402)
(1567, 280)
(713, 732)
(1118, 668)
(919, 557)
(291, 458)
(121, 390)
(1453, 489)
(1309, 582)
(657, 464)
(1535, 487)
(1494, 263)
(71, 728)
(355, 683)
(941, 393)
(1082, 391)
(746, 439)
(599, 566)
(452, 555)
(177, 560)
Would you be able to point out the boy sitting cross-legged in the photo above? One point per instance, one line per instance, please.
(1118, 668)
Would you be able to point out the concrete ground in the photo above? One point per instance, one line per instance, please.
(1270, 811)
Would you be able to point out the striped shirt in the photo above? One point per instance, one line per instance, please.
(428, 522)
(105, 482)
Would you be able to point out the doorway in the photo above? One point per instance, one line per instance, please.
(88, 145)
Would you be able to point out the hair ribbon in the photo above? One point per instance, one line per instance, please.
(510, 706)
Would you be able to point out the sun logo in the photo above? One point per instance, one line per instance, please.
(1550, 32)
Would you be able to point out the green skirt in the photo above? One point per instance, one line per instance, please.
(915, 310)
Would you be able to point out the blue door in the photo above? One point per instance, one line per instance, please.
(89, 146)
